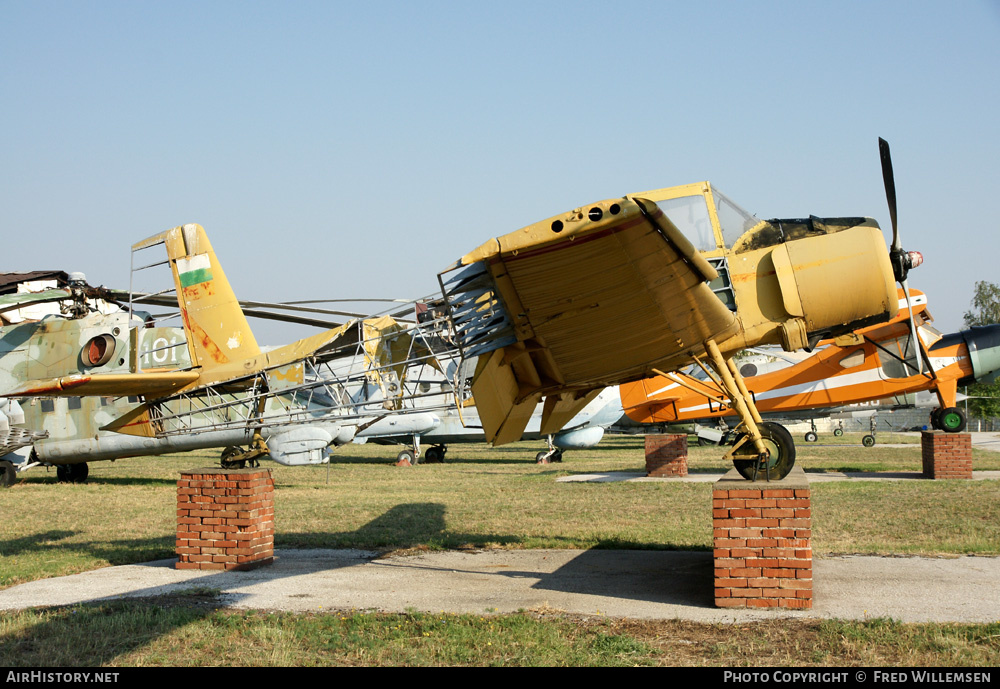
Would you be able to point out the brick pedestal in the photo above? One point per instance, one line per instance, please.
(946, 455)
(763, 542)
(225, 519)
(666, 455)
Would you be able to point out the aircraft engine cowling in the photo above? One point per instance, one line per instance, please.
(810, 274)
(984, 350)
(578, 439)
(983, 345)
(299, 446)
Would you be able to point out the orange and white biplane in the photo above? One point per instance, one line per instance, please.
(870, 364)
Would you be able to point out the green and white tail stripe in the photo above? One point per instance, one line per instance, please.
(193, 270)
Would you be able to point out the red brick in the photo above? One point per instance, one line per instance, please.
(731, 603)
(762, 603)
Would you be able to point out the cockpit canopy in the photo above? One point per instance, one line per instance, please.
(712, 222)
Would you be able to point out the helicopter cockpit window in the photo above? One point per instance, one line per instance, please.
(690, 215)
(734, 220)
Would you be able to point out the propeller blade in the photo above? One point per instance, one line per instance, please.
(890, 189)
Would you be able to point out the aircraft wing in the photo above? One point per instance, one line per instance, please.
(596, 297)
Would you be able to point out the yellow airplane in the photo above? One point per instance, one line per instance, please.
(628, 288)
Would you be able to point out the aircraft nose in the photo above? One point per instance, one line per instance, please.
(983, 342)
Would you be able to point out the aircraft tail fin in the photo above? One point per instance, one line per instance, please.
(216, 328)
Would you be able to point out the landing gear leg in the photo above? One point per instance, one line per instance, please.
(410, 456)
(761, 448)
(553, 454)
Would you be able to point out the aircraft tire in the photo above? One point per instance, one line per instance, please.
(952, 420)
(434, 455)
(73, 473)
(779, 442)
(838, 432)
(227, 461)
(7, 474)
(811, 437)
(936, 418)
(408, 456)
(546, 457)
(868, 441)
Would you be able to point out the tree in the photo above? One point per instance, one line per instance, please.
(985, 311)
(985, 305)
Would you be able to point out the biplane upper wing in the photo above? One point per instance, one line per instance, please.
(595, 297)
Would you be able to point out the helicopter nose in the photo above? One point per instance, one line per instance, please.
(983, 342)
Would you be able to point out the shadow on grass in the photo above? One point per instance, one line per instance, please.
(402, 526)
(121, 552)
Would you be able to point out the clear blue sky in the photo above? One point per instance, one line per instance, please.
(344, 149)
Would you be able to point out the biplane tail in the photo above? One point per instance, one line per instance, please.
(216, 328)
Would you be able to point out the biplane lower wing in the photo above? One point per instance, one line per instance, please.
(578, 302)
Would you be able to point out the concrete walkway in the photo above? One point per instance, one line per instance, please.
(633, 584)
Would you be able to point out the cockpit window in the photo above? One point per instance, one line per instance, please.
(929, 334)
(690, 215)
(896, 352)
(734, 220)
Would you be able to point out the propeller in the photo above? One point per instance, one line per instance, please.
(902, 261)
